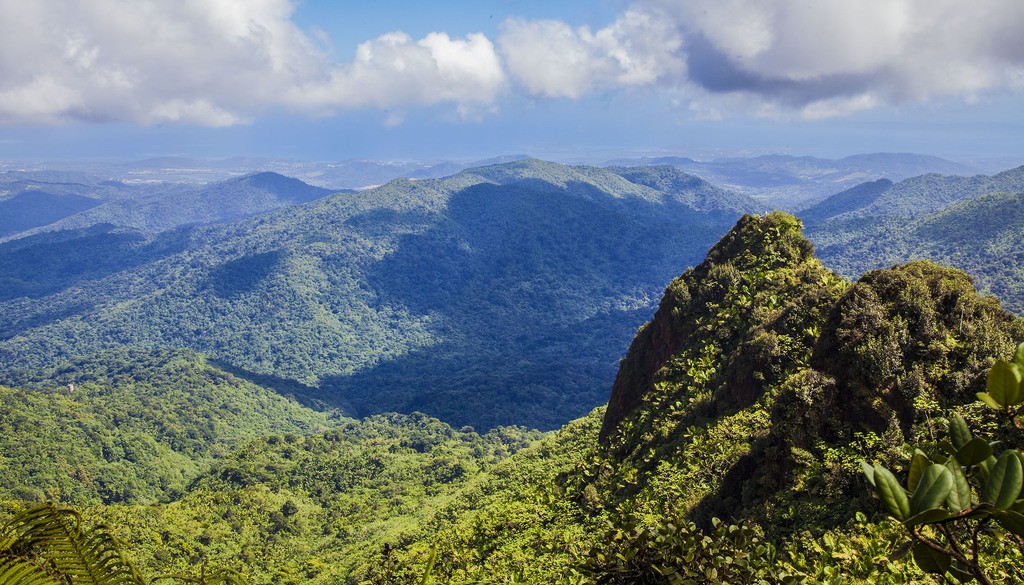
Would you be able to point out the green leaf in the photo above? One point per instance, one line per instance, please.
(959, 432)
(985, 466)
(959, 498)
(932, 490)
(1018, 356)
(1004, 481)
(930, 516)
(901, 551)
(16, 571)
(891, 493)
(947, 447)
(989, 401)
(869, 471)
(1003, 383)
(961, 575)
(974, 452)
(931, 561)
(917, 467)
(1012, 521)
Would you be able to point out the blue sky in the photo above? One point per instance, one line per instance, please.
(571, 80)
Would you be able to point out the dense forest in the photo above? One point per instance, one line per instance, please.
(732, 449)
(346, 390)
(500, 295)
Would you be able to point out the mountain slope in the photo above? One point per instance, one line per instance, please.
(168, 206)
(753, 393)
(132, 427)
(967, 222)
(502, 294)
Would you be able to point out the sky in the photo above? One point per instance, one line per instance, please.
(563, 80)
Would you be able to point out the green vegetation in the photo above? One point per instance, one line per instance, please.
(949, 505)
(730, 450)
(500, 295)
(47, 545)
(973, 223)
(138, 426)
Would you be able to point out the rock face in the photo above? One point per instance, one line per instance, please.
(764, 377)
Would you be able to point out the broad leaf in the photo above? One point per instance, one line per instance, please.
(869, 472)
(1012, 521)
(989, 401)
(1004, 481)
(917, 466)
(929, 516)
(902, 550)
(932, 490)
(958, 432)
(959, 498)
(931, 561)
(1004, 382)
(974, 452)
(891, 493)
(1018, 356)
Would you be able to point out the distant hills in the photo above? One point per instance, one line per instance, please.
(969, 222)
(32, 205)
(793, 182)
(503, 294)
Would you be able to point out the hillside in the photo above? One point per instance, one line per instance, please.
(159, 207)
(967, 222)
(761, 382)
(128, 426)
(500, 295)
(753, 407)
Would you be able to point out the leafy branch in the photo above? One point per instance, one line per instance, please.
(950, 504)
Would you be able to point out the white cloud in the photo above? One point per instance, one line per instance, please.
(818, 59)
(223, 62)
(832, 57)
(394, 70)
(214, 63)
(551, 59)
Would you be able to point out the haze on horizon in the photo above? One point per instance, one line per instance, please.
(329, 81)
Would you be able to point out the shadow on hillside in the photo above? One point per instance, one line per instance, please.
(537, 382)
(533, 290)
(47, 263)
(308, 396)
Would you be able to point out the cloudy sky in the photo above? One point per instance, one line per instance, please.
(331, 80)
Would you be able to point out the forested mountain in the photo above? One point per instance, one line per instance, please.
(33, 199)
(172, 206)
(968, 222)
(149, 208)
(761, 382)
(503, 294)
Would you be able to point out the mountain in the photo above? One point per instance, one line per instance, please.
(752, 395)
(501, 295)
(162, 207)
(32, 199)
(792, 183)
(968, 222)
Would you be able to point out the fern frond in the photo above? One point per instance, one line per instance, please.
(92, 557)
(22, 572)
